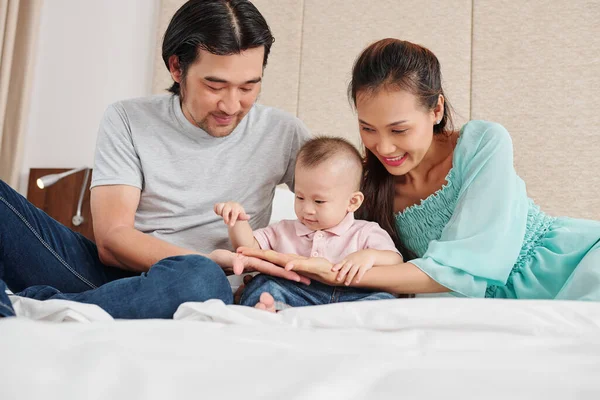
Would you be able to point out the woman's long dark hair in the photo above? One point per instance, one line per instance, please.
(398, 65)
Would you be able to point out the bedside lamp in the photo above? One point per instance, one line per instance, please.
(49, 180)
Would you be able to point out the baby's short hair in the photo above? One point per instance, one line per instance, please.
(322, 148)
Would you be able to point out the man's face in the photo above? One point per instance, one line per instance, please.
(218, 91)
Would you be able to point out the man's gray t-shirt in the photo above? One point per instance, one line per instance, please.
(182, 171)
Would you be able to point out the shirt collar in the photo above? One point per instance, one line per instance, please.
(343, 226)
(338, 230)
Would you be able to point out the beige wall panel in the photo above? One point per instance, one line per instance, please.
(536, 70)
(280, 84)
(161, 79)
(336, 31)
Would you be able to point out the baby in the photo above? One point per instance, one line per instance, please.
(327, 186)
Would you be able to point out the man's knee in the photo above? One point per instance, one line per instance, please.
(6, 191)
(197, 278)
(9, 204)
(3, 186)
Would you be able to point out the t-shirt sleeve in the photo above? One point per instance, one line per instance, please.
(482, 241)
(266, 236)
(377, 238)
(300, 136)
(116, 160)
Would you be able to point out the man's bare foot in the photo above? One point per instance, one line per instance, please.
(266, 302)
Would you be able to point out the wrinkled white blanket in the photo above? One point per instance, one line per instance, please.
(406, 348)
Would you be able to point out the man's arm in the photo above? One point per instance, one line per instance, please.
(119, 243)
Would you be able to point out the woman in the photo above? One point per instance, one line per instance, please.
(452, 200)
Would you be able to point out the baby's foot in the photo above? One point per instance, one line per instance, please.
(266, 302)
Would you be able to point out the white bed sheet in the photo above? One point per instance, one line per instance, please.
(406, 348)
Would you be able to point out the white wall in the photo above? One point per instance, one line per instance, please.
(90, 54)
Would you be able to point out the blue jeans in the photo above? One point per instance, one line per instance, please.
(293, 294)
(42, 259)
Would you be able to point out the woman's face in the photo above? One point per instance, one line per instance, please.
(396, 128)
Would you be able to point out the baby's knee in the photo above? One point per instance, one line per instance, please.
(260, 284)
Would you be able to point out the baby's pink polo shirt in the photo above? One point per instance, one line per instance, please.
(334, 244)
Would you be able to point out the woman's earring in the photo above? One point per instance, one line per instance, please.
(438, 121)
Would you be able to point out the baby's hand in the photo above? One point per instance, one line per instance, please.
(231, 212)
(354, 265)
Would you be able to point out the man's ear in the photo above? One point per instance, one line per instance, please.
(175, 68)
(356, 201)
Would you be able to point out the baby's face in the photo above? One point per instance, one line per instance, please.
(323, 194)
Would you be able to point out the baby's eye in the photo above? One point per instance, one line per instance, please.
(320, 201)
(300, 198)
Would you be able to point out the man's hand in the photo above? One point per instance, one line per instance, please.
(240, 263)
(231, 212)
(354, 265)
(225, 259)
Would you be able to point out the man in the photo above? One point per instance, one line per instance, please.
(161, 164)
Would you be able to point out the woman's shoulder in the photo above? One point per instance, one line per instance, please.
(481, 138)
(478, 133)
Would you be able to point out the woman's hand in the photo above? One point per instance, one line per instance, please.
(317, 268)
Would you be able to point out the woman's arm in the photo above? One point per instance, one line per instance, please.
(386, 257)
(400, 279)
(403, 278)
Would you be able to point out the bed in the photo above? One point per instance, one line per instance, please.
(404, 348)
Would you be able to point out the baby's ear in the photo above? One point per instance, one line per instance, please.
(356, 201)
